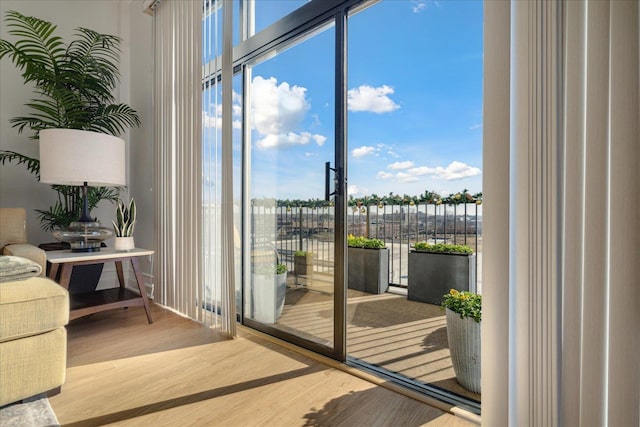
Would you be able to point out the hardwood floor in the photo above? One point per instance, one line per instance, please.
(175, 372)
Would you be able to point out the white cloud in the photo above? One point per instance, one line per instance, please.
(365, 150)
(406, 177)
(475, 126)
(277, 111)
(289, 139)
(372, 99)
(213, 117)
(384, 175)
(455, 170)
(209, 121)
(401, 165)
(420, 171)
(420, 5)
(352, 190)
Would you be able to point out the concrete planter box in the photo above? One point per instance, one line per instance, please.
(464, 344)
(268, 297)
(368, 270)
(431, 275)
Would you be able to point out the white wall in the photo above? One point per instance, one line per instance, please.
(18, 187)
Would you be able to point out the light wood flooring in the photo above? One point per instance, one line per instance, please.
(175, 372)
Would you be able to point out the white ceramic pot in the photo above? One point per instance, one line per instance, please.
(464, 344)
(124, 244)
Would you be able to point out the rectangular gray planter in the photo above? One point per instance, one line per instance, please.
(368, 270)
(303, 264)
(431, 275)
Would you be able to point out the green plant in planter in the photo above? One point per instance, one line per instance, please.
(265, 269)
(364, 242)
(466, 304)
(73, 84)
(125, 219)
(442, 248)
(302, 253)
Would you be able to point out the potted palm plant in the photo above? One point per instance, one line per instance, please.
(123, 226)
(73, 85)
(368, 264)
(464, 316)
(436, 268)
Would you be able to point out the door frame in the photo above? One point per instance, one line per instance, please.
(338, 16)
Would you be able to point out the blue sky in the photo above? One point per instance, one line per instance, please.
(415, 104)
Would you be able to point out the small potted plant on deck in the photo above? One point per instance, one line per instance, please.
(269, 291)
(464, 314)
(123, 226)
(436, 268)
(368, 264)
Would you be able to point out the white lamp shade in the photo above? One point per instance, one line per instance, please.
(73, 157)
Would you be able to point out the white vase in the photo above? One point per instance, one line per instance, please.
(124, 243)
(464, 344)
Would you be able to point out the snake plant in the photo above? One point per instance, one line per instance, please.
(125, 219)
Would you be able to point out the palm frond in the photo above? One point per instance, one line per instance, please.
(57, 216)
(36, 50)
(114, 119)
(32, 165)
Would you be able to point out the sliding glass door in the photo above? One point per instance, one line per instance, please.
(289, 286)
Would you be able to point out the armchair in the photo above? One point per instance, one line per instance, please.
(13, 237)
(33, 339)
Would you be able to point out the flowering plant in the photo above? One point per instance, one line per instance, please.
(464, 303)
(364, 242)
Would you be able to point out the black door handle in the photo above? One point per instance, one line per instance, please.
(337, 187)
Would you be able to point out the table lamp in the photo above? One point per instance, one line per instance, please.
(82, 158)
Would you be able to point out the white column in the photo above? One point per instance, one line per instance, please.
(496, 254)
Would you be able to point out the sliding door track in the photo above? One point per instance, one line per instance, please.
(435, 392)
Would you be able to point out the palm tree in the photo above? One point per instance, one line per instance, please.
(74, 85)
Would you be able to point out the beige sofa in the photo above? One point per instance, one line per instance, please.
(33, 313)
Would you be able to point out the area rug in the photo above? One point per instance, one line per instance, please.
(33, 412)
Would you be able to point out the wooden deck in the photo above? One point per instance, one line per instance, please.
(386, 330)
(175, 372)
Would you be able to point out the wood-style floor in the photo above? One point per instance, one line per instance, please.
(175, 372)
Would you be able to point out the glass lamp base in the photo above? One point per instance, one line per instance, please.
(84, 236)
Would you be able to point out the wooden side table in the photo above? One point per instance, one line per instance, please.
(107, 299)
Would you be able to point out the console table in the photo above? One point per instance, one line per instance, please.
(101, 300)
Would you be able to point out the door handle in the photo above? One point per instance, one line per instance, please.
(336, 181)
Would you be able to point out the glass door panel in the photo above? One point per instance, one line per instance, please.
(415, 152)
(289, 284)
